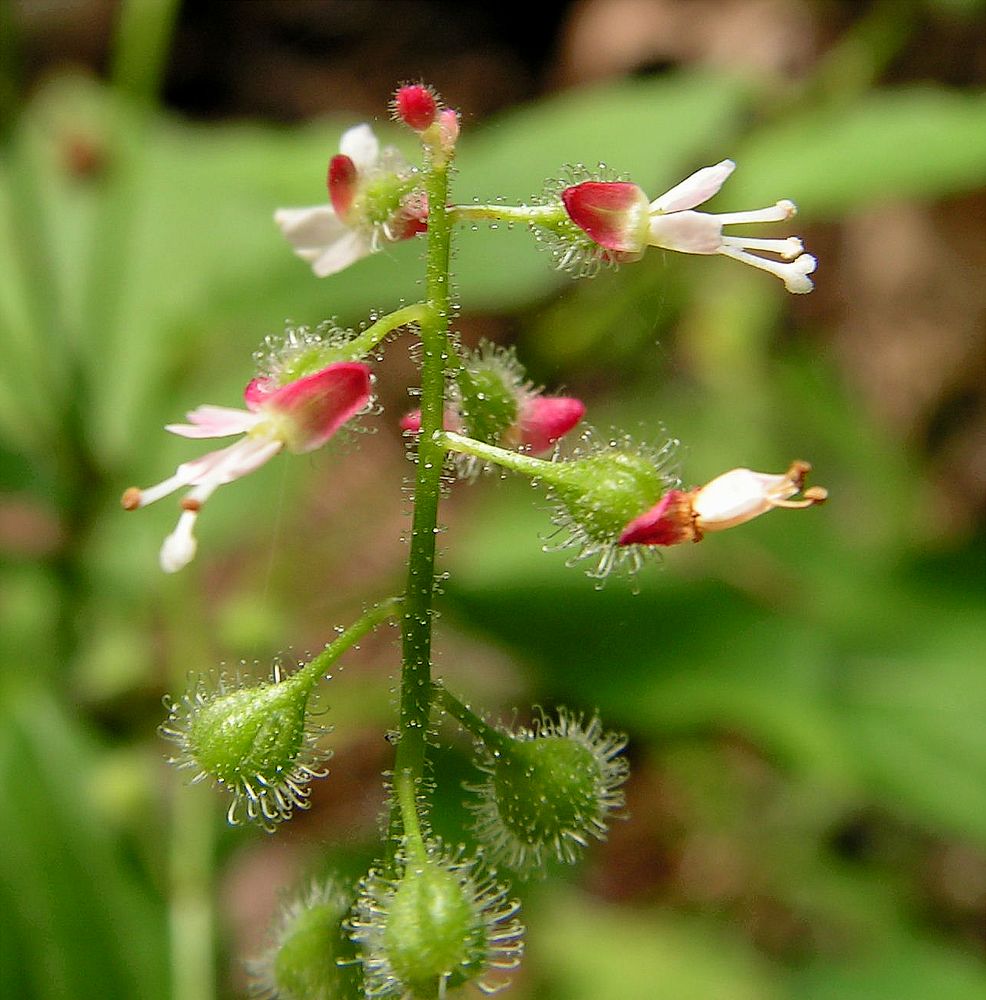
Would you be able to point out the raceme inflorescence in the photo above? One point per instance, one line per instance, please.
(428, 917)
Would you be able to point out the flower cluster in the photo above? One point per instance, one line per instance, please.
(427, 919)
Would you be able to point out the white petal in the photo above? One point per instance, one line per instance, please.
(310, 230)
(738, 496)
(215, 421)
(348, 248)
(361, 146)
(693, 190)
(233, 462)
(686, 232)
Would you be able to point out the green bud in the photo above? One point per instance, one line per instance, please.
(490, 387)
(549, 789)
(440, 923)
(256, 740)
(311, 958)
(598, 494)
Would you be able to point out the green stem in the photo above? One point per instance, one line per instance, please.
(314, 670)
(372, 335)
(415, 697)
(414, 842)
(536, 468)
(526, 214)
(492, 738)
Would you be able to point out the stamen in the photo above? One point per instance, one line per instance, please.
(788, 248)
(775, 213)
(179, 547)
(793, 274)
(131, 498)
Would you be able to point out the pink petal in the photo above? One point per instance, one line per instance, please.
(693, 190)
(412, 421)
(545, 419)
(686, 232)
(311, 409)
(214, 421)
(610, 213)
(342, 182)
(257, 390)
(668, 522)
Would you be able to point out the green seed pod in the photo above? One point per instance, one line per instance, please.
(598, 493)
(257, 741)
(549, 789)
(311, 958)
(439, 923)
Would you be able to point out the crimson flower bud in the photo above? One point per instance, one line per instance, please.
(416, 106)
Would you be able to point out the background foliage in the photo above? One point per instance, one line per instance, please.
(805, 700)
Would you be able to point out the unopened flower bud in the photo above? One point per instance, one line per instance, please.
(439, 923)
(448, 128)
(549, 790)
(311, 958)
(257, 741)
(416, 106)
(493, 402)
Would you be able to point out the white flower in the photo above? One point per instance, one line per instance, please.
(372, 199)
(619, 218)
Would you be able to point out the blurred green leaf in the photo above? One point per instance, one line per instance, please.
(920, 143)
(590, 951)
(87, 926)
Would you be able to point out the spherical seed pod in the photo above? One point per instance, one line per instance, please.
(311, 957)
(258, 741)
(439, 923)
(549, 790)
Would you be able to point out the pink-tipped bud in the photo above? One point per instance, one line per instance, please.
(613, 213)
(342, 180)
(448, 128)
(415, 105)
(546, 419)
(411, 422)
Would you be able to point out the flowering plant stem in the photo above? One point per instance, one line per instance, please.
(373, 334)
(512, 460)
(526, 214)
(415, 692)
(491, 738)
